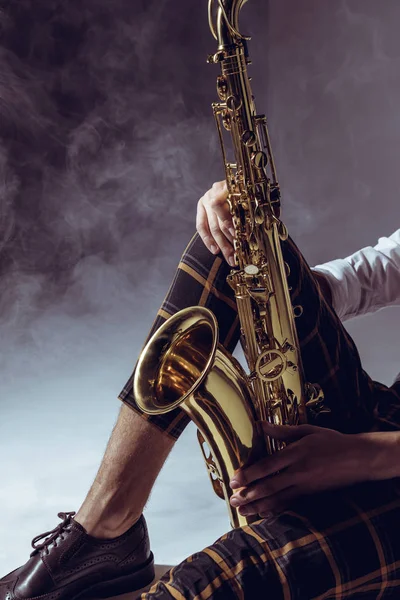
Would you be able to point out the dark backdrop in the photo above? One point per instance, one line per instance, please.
(106, 143)
(107, 139)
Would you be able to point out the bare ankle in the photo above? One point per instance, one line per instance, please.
(135, 454)
(107, 528)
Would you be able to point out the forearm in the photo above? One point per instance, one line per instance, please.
(382, 454)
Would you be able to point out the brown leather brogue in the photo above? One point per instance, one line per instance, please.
(68, 564)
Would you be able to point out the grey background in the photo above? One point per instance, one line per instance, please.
(107, 142)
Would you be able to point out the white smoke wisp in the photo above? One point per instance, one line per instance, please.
(103, 147)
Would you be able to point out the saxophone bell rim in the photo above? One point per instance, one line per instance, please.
(162, 340)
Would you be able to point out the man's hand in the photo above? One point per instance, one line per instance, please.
(315, 459)
(215, 227)
(214, 221)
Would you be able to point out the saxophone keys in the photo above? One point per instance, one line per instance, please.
(233, 104)
(315, 401)
(270, 365)
(261, 296)
(260, 160)
(259, 216)
(227, 120)
(222, 88)
(314, 393)
(275, 405)
(249, 138)
(214, 59)
(298, 311)
(282, 231)
(287, 347)
(253, 244)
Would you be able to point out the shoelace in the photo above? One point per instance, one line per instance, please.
(50, 537)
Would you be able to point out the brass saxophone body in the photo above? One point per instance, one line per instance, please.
(183, 364)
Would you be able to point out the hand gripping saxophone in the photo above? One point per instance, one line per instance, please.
(183, 364)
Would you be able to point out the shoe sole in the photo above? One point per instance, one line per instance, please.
(121, 585)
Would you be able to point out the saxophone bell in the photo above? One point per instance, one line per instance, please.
(183, 365)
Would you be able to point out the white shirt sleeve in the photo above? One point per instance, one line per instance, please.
(367, 280)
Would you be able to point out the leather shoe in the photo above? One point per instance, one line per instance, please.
(68, 564)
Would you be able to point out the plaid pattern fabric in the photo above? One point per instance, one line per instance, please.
(329, 355)
(336, 545)
(200, 280)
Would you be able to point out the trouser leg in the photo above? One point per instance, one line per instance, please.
(343, 544)
(329, 355)
(333, 543)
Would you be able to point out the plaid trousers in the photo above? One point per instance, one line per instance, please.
(333, 545)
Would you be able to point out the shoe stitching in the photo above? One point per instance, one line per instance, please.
(88, 563)
(51, 538)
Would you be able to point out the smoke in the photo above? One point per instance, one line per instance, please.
(334, 70)
(107, 141)
(104, 144)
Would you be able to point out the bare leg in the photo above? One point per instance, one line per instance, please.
(138, 448)
(134, 457)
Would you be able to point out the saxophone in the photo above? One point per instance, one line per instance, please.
(183, 363)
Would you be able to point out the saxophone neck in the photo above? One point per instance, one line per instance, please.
(225, 25)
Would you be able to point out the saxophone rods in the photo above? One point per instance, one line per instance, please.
(183, 365)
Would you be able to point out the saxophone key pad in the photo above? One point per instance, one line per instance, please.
(252, 270)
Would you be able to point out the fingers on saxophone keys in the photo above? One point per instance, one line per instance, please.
(203, 228)
(227, 229)
(220, 239)
(216, 200)
(209, 229)
(214, 221)
(220, 218)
